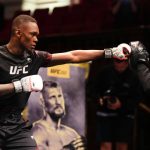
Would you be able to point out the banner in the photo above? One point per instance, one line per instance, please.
(71, 78)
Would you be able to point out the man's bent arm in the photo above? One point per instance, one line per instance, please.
(6, 89)
(32, 83)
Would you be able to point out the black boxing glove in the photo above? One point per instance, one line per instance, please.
(138, 55)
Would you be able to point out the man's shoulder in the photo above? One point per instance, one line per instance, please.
(40, 124)
(4, 51)
(2, 48)
(41, 53)
(68, 129)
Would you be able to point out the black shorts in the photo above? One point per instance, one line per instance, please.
(114, 129)
(15, 134)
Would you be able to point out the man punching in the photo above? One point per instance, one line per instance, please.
(19, 64)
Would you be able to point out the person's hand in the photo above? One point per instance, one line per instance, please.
(139, 55)
(116, 104)
(29, 84)
(121, 52)
(78, 144)
(101, 101)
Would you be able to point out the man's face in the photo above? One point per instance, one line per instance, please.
(54, 102)
(28, 35)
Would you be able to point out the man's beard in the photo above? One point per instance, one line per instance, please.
(55, 116)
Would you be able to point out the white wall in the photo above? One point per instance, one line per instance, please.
(33, 4)
(12, 5)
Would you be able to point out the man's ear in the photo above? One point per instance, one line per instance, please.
(18, 33)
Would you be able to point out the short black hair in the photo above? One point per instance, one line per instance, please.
(20, 20)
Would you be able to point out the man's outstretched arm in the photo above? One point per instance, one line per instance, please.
(78, 56)
(75, 56)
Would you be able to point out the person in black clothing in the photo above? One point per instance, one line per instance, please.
(19, 65)
(117, 92)
(140, 64)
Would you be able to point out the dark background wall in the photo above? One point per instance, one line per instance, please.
(75, 38)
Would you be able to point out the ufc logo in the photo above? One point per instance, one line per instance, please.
(18, 69)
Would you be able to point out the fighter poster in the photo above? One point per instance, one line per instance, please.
(71, 78)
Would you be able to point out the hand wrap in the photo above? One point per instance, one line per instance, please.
(29, 84)
(120, 52)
